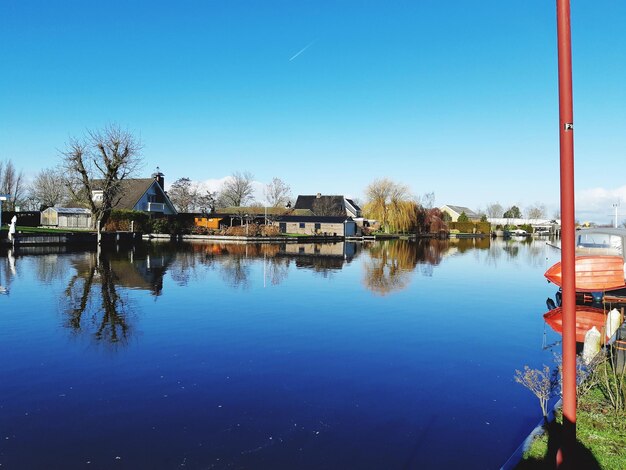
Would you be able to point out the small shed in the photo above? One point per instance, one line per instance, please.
(66, 217)
(208, 222)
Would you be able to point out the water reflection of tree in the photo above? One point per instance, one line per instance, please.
(50, 267)
(322, 265)
(277, 269)
(185, 267)
(529, 250)
(235, 270)
(389, 266)
(512, 250)
(391, 263)
(233, 261)
(93, 303)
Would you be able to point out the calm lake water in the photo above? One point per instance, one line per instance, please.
(218, 356)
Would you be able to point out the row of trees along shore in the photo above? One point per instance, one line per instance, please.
(112, 154)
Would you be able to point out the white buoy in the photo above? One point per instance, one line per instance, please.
(613, 321)
(593, 342)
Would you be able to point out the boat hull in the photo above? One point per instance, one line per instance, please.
(593, 273)
(586, 318)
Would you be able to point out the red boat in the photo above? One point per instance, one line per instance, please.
(586, 318)
(593, 273)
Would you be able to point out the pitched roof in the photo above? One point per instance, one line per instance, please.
(131, 190)
(460, 209)
(307, 202)
(353, 204)
(69, 210)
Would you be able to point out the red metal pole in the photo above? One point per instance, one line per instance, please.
(568, 228)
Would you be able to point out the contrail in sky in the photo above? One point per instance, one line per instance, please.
(302, 50)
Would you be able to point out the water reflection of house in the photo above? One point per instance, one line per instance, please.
(344, 250)
(143, 272)
(321, 256)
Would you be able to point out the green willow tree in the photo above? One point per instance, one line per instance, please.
(392, 205)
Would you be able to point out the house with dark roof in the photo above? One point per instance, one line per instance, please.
(455, 211)
(328, 205)
(140, 194)
(340, 226)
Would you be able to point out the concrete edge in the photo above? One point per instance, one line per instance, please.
(237, 239)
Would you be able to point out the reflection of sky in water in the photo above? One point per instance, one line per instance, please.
(275, 359)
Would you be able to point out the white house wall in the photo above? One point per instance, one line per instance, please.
(142, 204)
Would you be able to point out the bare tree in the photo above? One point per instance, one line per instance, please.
(96, 165)
(541, 382)
(11, 183)
(536, 211)
(237, 190)
(183, 194)
(206, 202)
(494, 210)
(277, 193)
(428, 200)
(48, 189)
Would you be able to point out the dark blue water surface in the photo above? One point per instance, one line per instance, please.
(385, 355)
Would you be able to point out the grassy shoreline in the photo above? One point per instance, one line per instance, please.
(20, 229)
(600, 432)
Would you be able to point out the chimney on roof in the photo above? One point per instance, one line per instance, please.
(159, 177)
(319, 195)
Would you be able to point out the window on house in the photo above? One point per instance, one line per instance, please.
(318, 226)
(302, 224)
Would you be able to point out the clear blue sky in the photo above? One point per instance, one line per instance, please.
(456, 97)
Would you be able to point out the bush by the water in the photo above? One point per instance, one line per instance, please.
(123, 220)
(601, 417)
(470, 227)
(252, 230)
